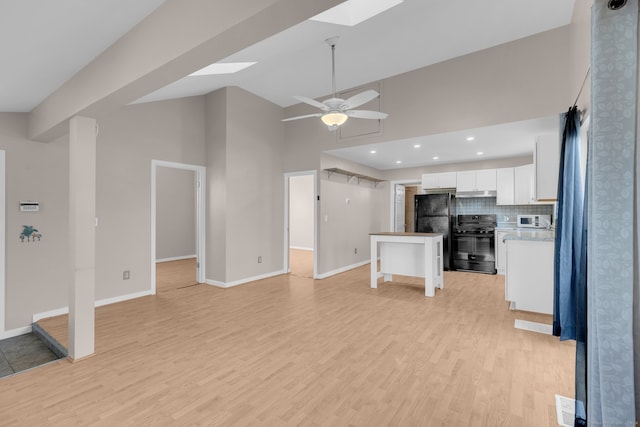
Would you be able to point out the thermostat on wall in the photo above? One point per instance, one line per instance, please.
(29, 206)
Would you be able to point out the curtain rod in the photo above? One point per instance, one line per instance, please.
(582, 87)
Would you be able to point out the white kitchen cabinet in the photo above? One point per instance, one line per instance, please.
(501, 253)
(505, 186)
(439, 180)
(529, 275)
(546, 158)
(447, 180)
(466, 181)
(486, 180)
(523, 184)
(480, 180)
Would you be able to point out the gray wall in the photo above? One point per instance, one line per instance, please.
(349, 211)
(520, 80)
(510, 82)
(246, 187)
(175, 213)
(301, 206)
(246, 149)
(127, 143)
(37, 273)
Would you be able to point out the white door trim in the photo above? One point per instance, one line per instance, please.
(200, 216)
(2, 241)
(288, 175)
(392, 198)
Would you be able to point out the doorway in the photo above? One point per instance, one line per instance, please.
(300, 224)
(403, 205)
(177, 225)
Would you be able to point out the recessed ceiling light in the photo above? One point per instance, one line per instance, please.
(373, 152)
(417, 146)
(471, 138)
(479, 153)
(398, 162)
(222, 68)
(353, 12)
(436, 158)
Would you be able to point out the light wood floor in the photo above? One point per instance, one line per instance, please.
(293, 351)
(301, 263)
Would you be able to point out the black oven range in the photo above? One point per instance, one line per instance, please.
(474, 243)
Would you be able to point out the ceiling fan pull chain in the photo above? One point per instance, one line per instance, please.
(333, 68)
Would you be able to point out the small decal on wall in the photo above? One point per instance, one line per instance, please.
(30, 234)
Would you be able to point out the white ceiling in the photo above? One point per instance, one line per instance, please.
(43, 43)
(494, 142)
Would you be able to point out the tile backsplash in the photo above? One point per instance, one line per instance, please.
(506, 215)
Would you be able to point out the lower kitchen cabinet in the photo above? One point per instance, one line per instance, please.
(529, 275)
(501, 252)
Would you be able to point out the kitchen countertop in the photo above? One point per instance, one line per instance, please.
(531, 234)
(403, 234)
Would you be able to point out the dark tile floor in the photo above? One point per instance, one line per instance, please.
(23, 352)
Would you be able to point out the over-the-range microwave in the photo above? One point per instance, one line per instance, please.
(534, 221)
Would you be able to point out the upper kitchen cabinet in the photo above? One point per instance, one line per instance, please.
(523, 185)
(480, 180)
(546, 158)
(439, 180)
(505, 186)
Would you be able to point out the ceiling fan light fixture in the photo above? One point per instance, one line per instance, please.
(333, 119)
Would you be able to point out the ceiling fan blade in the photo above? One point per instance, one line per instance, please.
(302, 117)
(366, 114)
(359, 99)
(312, 102)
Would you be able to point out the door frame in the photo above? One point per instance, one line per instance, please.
(2, 241)
(200, 172)
(288, 175)
(392, 198)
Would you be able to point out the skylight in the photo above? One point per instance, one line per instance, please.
(353, 12)
(222, 68)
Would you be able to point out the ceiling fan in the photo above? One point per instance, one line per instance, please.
(336, 111)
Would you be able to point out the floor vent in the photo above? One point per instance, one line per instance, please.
(565, 410)
(533, 326)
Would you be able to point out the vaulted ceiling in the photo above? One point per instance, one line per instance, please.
(45, 43)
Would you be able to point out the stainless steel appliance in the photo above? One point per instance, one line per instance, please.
(474, 243)
(436, 213)
(534, 221)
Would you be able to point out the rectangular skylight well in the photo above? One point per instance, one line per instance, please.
(222, 68)
(353, 12)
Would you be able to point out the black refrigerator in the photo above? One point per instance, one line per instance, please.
(436, 213)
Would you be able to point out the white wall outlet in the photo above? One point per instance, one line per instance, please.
(126, 275)
(355, 251)
(259, 260)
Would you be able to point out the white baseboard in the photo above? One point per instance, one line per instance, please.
(342, 269)
(243, 281)
(15, 332)
(99, 303)
(301, 248)
(51, 313)
(176, 258)
(122, 298)
(533, 326)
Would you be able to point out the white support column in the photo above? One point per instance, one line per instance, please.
(82, 235)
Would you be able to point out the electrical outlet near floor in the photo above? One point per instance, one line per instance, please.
(355, 251)
(259, 260)
(126, 275)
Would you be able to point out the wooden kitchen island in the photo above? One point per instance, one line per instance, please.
(408, 254)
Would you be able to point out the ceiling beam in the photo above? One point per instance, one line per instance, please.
(178, 38)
